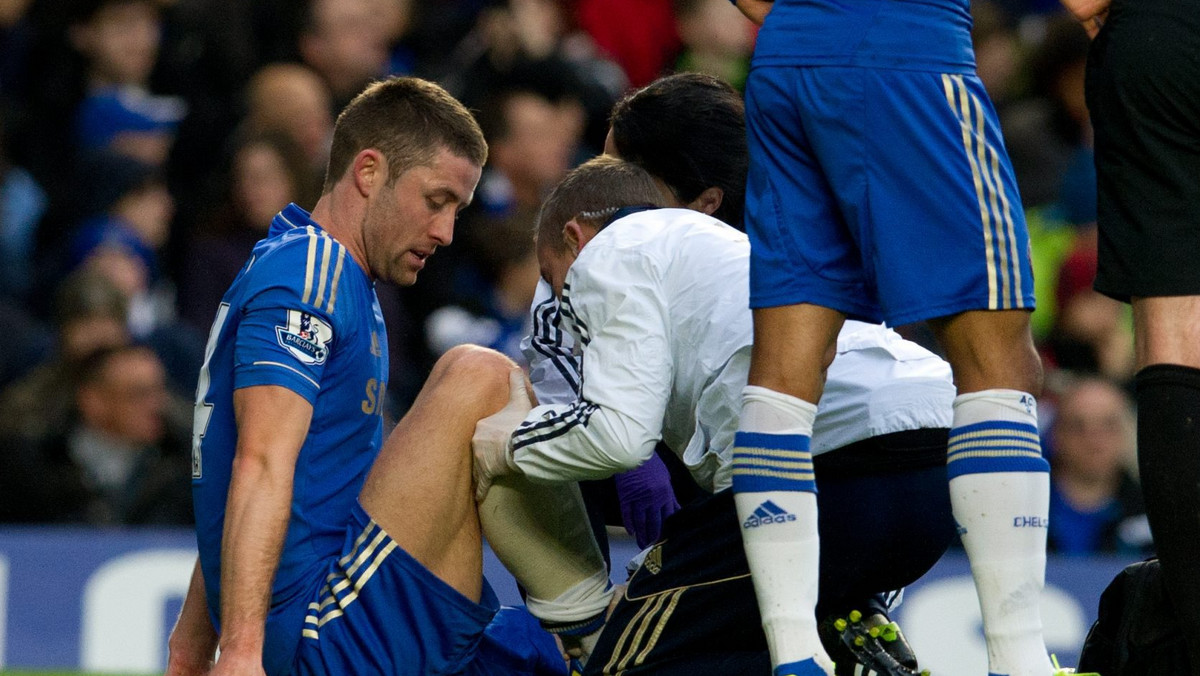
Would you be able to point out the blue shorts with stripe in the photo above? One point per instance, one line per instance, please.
(886, 194)
(381, 612)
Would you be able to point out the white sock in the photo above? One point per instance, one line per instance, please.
(1000, 493)
(583, 602)
(775, 493)
(588, 599)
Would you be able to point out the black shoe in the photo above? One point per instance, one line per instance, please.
(871, 646)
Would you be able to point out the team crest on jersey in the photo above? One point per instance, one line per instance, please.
(653, 560)
(306, 337)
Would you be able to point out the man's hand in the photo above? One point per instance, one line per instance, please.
(234, 662)
(185, 662)
(492, 443)
(1091, 13)
(647, 499)
(193, 641)
(755, 10)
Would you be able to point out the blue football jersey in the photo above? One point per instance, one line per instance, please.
(303, 315)
(929, 35)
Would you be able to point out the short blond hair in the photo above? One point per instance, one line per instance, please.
(591, 193)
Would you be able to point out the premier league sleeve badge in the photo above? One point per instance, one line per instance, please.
(306, 337)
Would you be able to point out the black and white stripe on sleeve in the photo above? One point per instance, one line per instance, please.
(547, 340)
(532, 432)
(568, 312)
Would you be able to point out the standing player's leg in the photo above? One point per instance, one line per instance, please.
(773, 477)
(942, 220)
(802, 262)
(999, 485)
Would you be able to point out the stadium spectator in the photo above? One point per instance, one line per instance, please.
(1045, 130)
(122, 458)
(1095, 503)
(346, 45)
(997, 50)
(14, 49)
(292, 99)
(123, 241)
(395, 18)
(715, 39)
(640, 35)
(528, 45)
(119, 41)
(1055, 232)
(29, 343)
(22, 204)
(1092, 332)
(495, 289)
(533, 140)
(89, 315)
(268, 172)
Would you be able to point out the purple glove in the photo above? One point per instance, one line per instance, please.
(647, 499)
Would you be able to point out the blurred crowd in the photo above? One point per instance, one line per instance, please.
(146, 144)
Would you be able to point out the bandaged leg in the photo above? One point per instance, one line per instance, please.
(540, 532)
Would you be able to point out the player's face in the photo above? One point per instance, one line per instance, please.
(408, 221)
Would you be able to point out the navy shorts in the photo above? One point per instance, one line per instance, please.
(884, 194)
(690, 608)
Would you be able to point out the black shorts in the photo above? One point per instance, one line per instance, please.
(1143, 91)
(690, 608)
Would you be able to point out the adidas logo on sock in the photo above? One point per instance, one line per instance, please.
(768, 513)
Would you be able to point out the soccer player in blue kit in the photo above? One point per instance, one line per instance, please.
(324, 549)
(879, 188)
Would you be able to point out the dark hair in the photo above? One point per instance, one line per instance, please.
(493, 113)
(93, 368)
(551, 80)
(591, 193)
(688, 130)
(408, 120)
(82, 11)
(497, 241)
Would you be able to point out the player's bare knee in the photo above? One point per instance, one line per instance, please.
(991, 349)
(476, 371)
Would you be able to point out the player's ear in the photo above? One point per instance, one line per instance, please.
(577, 235)
(368, 170)
(708, 201)
(574, 236)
